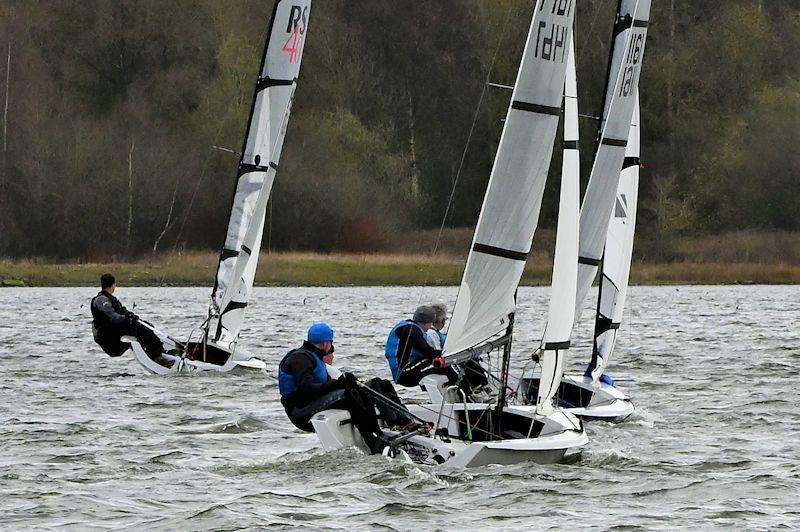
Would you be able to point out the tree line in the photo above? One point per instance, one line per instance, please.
(117, 116)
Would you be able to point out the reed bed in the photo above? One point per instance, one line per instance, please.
(314, 269)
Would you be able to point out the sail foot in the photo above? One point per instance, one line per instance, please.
(468, 354)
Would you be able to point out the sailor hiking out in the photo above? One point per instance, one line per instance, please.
(414, 350)
(306, 388)
(111, 321)
(408, 352)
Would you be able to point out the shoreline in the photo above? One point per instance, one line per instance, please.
(312, 269)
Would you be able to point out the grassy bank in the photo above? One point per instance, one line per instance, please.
(308, 269)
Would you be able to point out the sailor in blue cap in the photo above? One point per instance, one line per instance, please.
(306, 388)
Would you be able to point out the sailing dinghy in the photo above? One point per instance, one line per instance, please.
(213, 346)
(459, 433)
(588, 396)
(607, 220)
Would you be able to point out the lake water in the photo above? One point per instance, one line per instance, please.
(91, 442)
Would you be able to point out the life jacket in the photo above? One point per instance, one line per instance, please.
(287, 384)
(393, 344)
(442, 338)
(104, 332)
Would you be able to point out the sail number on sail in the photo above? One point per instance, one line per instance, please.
(550, 40)
(294, 44)
(631, 65)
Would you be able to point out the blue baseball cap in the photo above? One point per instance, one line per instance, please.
(320, 332)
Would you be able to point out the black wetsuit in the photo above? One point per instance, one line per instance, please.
(111, 321)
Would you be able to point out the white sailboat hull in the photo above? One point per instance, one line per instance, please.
(182, 364)
(589, 400)
(335, 430)
(565, 435)
(546, 450)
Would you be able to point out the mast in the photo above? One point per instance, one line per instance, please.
(261, 151)
(504, 369)
(510, 212)
(617, 256)
(616, 30)
(556, 340)
(627, 53)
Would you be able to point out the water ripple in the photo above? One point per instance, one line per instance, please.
(92, 442)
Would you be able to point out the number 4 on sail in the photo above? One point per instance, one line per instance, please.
(215, 346)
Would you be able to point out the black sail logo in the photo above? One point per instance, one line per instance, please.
(552, 35)
(632, 64)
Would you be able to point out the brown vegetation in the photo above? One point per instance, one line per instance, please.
(698, 263)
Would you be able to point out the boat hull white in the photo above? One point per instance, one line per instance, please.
(335, 431)
(184, 364)
(589, 400)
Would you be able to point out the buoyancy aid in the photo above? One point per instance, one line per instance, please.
(99, 317)
(287, 384)
(393, 344)
(442, 338)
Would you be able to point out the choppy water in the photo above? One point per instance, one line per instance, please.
(87, 441)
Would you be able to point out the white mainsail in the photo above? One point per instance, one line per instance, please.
(617, 256)
(565, 262)
(630, 32)
(261, 153)
(510, 211)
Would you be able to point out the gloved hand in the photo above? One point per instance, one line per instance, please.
(349, 380)
(131, 317)
(438, 363)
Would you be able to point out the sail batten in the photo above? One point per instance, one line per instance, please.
(535, 108)
(510, 211)
(261, 151)
(500, 252)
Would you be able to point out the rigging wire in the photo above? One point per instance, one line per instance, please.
(199, 182)
(203, 169)
(472, 127)
(475, 117)
(214, 146)
(597, 12)
(462, 160)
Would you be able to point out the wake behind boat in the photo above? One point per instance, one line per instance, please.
(213, 346)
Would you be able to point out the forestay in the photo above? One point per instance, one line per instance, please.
(630, 32)
(274, 92)
(565, 263)
(617, 256)
(510, 211)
